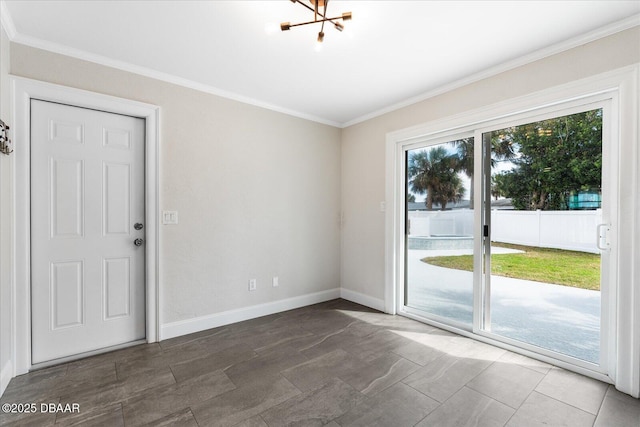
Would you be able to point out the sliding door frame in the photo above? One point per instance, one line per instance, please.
(619, 88)
(423, 142)
(610, 176)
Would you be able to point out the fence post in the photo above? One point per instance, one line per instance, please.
(539, 214)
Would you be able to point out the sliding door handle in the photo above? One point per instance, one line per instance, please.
(600, 237)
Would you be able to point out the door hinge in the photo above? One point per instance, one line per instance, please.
(485, 231)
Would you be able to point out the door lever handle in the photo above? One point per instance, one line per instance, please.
(138, 242)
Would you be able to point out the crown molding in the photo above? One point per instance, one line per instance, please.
(607, 30)
(158, 75)
(6, 22)
(38, 43)
(16, 37)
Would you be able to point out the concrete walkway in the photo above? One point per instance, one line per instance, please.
(559, 318)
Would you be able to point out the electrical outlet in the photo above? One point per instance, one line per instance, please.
(275, 282)
(253, 283)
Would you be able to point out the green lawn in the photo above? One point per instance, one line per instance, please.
(568, 268)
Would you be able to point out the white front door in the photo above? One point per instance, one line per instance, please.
(87, 231)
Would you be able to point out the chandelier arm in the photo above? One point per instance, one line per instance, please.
(315, 22)
(319, 14)
(326, 2)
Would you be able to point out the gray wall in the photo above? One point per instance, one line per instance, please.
(258, 192)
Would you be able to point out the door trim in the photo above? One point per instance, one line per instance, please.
(23, 90)
(622, 85)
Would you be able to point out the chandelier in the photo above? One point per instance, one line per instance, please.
(319, 10)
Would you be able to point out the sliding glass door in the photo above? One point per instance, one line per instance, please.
(439, 226)
(507, 231)
(544, 195)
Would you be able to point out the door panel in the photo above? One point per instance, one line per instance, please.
(67, 199)
(440, 224)
(116, 287)
(543, 265)
(67, 290)
(117, 183)
(87, 191)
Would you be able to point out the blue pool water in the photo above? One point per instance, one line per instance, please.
(441, 242)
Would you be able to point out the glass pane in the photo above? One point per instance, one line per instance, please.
(546, 191)
(439, 229)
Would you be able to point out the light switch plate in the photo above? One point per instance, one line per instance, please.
(169, 217)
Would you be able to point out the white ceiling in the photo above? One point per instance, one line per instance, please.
(391, 53)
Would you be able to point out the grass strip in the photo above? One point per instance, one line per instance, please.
(561, 267)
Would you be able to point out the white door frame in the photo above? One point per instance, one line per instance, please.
(610, 175)
(23, 90)
(623, 84)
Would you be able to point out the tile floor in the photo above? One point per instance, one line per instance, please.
(335, 364)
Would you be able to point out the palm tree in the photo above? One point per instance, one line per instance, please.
(452, 190)
(501, 149)
(427, 169)
(497, 185)
(465, 155)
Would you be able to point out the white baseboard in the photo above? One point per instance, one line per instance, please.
(362, 299)
(5, 376)
(189, 326)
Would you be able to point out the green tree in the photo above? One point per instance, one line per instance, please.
(500, 150)
(429, 171)
(554, 158)
(498, 185)
(465, 155)
(449, 190)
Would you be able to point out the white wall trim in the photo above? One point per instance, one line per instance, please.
(5, 376)
(623, 83)
(158, 75)
(580, 40)
(362, 299)
(6, 21)
(197, 324)
(627, 378)
(23, 90)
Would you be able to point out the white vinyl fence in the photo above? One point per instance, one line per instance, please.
(570, 230)
(456, 223)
